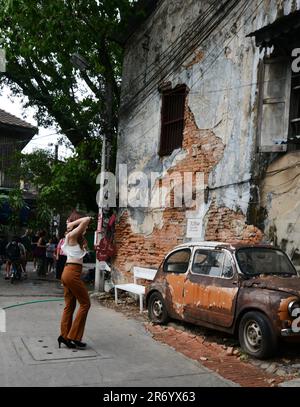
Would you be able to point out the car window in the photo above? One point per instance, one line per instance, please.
(227, 267)
(178, 262)
(257, 260)
(208, 262)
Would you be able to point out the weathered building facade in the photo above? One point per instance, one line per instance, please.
(208, 87)
(15, 134)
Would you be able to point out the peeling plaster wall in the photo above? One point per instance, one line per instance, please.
(221, 74)
(280, 196)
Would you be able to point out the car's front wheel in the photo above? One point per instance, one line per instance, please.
(256, 335)
(157, 310)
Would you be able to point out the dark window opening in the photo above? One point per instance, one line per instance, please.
(172, 120)
(294, 130)
(279, 116)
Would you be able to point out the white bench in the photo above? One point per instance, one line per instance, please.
(138, 289)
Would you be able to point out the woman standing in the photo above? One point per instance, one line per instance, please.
(74, 289)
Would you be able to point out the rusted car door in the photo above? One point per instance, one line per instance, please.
(175, 270)
(211, 288)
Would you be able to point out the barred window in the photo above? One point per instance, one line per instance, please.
(172, 119)
(294, 131)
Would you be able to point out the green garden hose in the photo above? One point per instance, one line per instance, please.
(33, 302)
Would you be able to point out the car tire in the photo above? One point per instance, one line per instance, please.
(256, 335)
(157, 310)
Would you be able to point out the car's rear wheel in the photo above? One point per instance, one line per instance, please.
(157, 310)
(256, 335)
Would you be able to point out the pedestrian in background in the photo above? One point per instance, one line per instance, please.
(34, 241)
(3, 244)
(61, 258)
(15, 253)
(50, 253)
(26, 242)
(41, 254)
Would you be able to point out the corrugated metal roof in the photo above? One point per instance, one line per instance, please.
(10, 119)
(285, 28)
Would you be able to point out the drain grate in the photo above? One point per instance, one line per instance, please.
(46, 348)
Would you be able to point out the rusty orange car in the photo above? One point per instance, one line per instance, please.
(249, 291)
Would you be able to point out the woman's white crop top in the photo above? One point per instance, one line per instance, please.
(75, 252)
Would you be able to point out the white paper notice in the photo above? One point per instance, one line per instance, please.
(194, 228)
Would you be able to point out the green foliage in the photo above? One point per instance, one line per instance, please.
(40, 38)
(34, 168)
(16, 203)
(43, 216)
(62, 185)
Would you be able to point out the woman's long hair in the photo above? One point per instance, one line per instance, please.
(81, 239)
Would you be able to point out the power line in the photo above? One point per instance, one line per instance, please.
(222, 50)
(33, 139)
(148, 99)
(167, 68)
(220, 28)
(180, 40)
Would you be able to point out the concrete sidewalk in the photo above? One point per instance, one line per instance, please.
(34, 285)
(121, 352)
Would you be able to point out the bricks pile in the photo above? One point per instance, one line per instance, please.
(225, 362)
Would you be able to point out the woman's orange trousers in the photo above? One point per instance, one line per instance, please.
(74, 289)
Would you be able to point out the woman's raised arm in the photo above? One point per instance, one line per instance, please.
(78, 226)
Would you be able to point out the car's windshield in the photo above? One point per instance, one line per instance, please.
(256, 260)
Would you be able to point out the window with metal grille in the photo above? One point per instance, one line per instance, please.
(294, 130)
(279, 118)
(172, 119)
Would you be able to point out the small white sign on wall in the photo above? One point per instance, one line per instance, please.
(194, 229)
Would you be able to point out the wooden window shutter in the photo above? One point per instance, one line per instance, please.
(172, 120)
(274, 105)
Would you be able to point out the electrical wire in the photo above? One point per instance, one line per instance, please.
(203, 35)
(180, 40)
(33, 139)
(220, 90)
(155, 79)
(201, 20)
(230, 30)
(275, 172)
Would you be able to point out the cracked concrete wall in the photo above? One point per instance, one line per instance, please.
(221, 74)
(280, 197)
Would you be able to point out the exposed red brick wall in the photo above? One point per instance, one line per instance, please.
(204, 150)
(226, 225)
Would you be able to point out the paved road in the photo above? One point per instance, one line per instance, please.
(121, 352)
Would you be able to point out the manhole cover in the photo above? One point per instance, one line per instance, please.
(47, 349)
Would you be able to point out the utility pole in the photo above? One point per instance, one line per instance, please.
(53, 225)
(56, 146)
(56, 152)
(105, 163)
(107, 135)
(100, 265)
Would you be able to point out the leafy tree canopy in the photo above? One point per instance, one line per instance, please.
(43, 38)
(62, 185)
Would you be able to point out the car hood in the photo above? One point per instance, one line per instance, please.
(289, 285)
